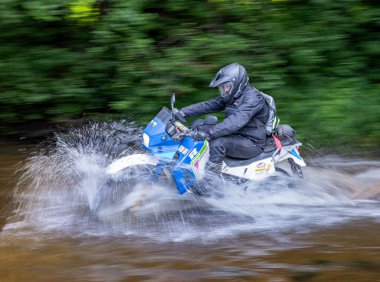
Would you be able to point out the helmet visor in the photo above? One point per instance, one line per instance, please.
(225, 89)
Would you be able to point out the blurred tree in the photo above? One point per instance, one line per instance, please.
(319, 59)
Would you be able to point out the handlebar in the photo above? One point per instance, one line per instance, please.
(178, 115)
(181, 126)
(178, 130)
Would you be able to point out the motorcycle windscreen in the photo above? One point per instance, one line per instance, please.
(164, 115)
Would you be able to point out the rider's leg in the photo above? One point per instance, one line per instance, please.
(235, 146)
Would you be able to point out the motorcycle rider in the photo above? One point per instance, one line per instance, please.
(242, 134)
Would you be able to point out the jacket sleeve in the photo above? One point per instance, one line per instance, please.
(211, 106)
(249, 107)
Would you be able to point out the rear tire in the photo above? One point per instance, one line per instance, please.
(296, 169)
(291, 182)
(282, 171)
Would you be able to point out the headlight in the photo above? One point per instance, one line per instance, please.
(146, 139)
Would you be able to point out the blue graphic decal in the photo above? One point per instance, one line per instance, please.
(294, 153)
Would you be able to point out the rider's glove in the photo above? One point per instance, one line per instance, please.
(201, 135)
(179, 115)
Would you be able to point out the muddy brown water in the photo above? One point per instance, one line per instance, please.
(332, 235)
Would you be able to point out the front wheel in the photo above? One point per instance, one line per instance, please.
(125, 191)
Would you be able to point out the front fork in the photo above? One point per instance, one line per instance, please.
(157, 172)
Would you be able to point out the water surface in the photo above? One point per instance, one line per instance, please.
(325, 228)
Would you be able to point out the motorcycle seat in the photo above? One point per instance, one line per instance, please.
(232, 162)
(270, 144)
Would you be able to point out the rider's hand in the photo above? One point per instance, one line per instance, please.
(179, 136)
(179, 115)
(201, 135)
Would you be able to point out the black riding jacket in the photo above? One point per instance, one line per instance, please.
(245, 114)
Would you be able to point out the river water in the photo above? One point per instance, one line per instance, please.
(326, 228)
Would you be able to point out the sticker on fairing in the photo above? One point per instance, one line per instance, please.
(193, 153)
(199, 160)
(263, 167)
(183, 150)
(294, 153)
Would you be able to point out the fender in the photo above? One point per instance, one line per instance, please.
(289, 152)
(131, 160)
(297, 158)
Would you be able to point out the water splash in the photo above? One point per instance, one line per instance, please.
(60, 185)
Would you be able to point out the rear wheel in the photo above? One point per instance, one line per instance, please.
(283, 174)
(296, 169)
(282, 171)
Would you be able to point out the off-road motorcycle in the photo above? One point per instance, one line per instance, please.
(170, 146)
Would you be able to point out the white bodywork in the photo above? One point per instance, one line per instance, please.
(129, 161)
(254, 171)
(263, 168)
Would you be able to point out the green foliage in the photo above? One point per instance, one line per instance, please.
(319, 59)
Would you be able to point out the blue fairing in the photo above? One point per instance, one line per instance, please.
(183, 172)
(160, 144)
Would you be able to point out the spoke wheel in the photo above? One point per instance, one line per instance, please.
(115, 190)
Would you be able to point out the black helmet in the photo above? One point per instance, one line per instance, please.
(231, 79)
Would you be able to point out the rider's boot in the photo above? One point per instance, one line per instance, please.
(214, 179)
(208, 186)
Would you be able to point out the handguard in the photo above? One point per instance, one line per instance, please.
(179, 115)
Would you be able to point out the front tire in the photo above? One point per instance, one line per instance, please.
(115, 189)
